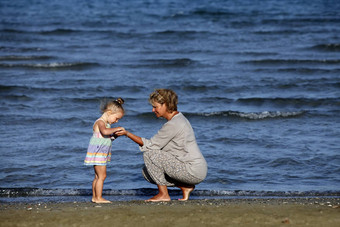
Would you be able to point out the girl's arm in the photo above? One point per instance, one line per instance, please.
(133, 137)
(107, 131)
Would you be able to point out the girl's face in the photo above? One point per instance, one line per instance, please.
(159, 109)
(114, 117)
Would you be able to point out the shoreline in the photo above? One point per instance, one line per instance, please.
(316, 211)
(135, 198)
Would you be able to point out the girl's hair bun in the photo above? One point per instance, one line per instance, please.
(120, 101)
(112, 105)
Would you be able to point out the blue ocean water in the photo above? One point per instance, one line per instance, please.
(258, 80)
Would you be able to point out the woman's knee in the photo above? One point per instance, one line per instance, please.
(148, 155)
(154, 156)
(147, 176)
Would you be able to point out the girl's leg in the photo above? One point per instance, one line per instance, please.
(99, 184)
(94, 185)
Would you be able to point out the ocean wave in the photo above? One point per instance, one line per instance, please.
(67, 31)
(53, 31)
(38, 192)
(164, 63)
(59, 31)
(284, 162)
(298, 20)
(19, 49)
(67, 86)
(299, 102)
(52, 65)
(181, 33)
(23, 58)
(279, 32)
(256, 53)
(300, 70)
(18, 98)
(96, 30)
(330, 47)
(237, 114)
(214, 12)
(292, 61)
(10, 30)
(253, 115)
(199, 88)
(16, 90)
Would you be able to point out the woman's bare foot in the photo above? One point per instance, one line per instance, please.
(159, 198)
(102, 200)
(186, 192)
(162, 196)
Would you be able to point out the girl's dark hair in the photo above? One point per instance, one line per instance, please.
(165, 96)
(112, 105)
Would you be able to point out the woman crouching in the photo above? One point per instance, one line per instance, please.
(172, 157)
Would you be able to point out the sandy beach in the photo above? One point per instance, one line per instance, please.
(219, 212)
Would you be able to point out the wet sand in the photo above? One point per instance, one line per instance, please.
(220, 212)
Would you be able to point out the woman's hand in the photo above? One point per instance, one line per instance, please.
(136, 139)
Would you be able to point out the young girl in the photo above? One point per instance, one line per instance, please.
(99, 150)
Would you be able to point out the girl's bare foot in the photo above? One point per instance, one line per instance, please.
(186, 192)
(159, 198)
(101, 201)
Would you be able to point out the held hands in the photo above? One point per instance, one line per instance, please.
(114, 135)
(121, 132)
(136, 139)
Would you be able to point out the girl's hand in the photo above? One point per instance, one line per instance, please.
(117, 129)
(114, 135)
(121, 132)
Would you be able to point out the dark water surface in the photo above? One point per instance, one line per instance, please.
(258, 80)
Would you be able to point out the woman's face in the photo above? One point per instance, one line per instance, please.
(159, 109)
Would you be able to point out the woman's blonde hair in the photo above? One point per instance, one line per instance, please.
(112, 105)
(165, 96)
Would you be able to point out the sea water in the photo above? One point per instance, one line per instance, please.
(258, 80)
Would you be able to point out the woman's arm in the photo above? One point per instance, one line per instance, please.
(133, 137)
(158, 141)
